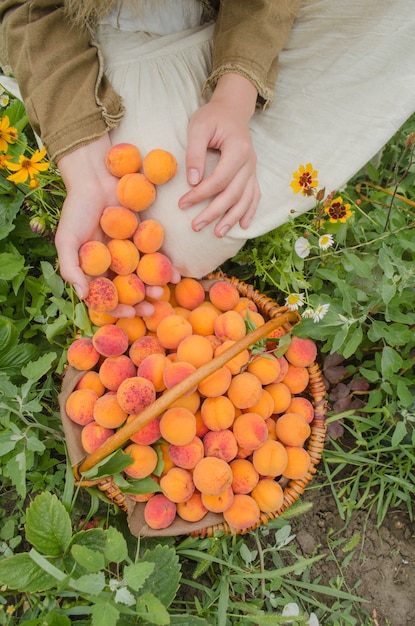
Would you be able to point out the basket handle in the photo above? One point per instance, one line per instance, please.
(163, 402)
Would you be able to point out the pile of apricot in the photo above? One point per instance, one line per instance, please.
(227, 442)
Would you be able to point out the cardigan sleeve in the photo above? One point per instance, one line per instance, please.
(248, 38)
(68, 100)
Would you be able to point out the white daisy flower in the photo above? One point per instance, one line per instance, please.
(320, 312)
(291, 610)
(294, 300)
(308, 314)
(325, 241)
(4, 99)
(302, 247)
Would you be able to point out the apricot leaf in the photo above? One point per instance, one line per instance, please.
(48, 525)
(22, 573)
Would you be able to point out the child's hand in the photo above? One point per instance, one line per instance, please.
(222, 124)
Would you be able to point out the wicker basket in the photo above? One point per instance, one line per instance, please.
(275, 316)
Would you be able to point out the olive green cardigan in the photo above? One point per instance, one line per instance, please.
(60, 72)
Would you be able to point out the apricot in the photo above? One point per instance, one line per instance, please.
(167, 462)
(296, 378)
(189, 455)
(93, 435)
(250, 431)
(94, 258)
(216, 384)
(195, 349)
(123, 158)
(292, 429)
(175, 372)
(255, 317)
(152, 368)
(229, 325)
(118, 222)
(113, 370)
(270, 459)
(159, 166)
(124, 256)
(224, 295)
(245, 390)
(171, 330)
(91, 380)
(201, 428)
(299, 462)
(243, 513)
(131, 290)
(273, 336)
(177, 484)
(144, 460)
(303, 407)
(281, 396)
(238, 362)
(264, 407)
(135, 394)
(110, 340)
(268, 494)
(245, 476)
(283, 368)
(107, 411)
(79, 406)
(189, 293)
(178, 426)
(202, 320)
(148, 236)
(155, 268)
(270, 422)
(159, 512)
(189, 401)
(136, 192)
(245, 304)
(301, 352)
(220, 443)
(142, 347)
(148, 434)
(133, 326)
(217, 413)
(212, 476)
(162, 309)
(102, 295)
(82, 354)
(265, 367)
(193, 509)
(219, 503)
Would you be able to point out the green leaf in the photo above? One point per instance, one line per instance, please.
(187, 620)
(398, 434)
(112, 464)
(91, 560)
(34, 370)
(391, 362)
(22, 573)
(116, 549)
(165, 579)
(16, 467)
(152, 610)
(9, 208)
(11, 264)
(135, 575)
(354, 340)
(104, 614)
(137, 486)
(48, 525)
(90, 583)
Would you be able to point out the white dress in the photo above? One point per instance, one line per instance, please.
(346, 84)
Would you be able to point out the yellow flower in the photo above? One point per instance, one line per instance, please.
(3, 161)
(8, 134)
(304, 180)
(28, 167)
(337, 211)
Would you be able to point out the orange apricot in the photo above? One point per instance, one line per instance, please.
(202, 320)
(91, 380)
(136, 192)
(171, 330)
(131, 290)
(144, 460)
(245, 390)
(219, 503)
(110, 340)
(273, 336)
(281, 396)
(166, 460)
(250, 431)
(296, 378)
(123, 158)
(159, 166)
(152, 368)
(292, 429)
(245, 476)
(159, 512)
(118, 222)
(195, 349)
(79, 406)
(178, 426)
(189, 401)
(265, 367)
(216, 384)
(217, 412)
(238, 362)
(224, 295)
(243, 513)
(193, 509)
(93, 435)
(212, 476)
(189, 455)
(229, 325)
(102, 295)
(148, 236)
(148, 434)
(135, 394)
(124, 256)
(107, 411)
(270, 459)
(155, 268)
(177, 484)
(220, 443)
(133, 326)
(283, 368)
(189, 293)
(161, 310)
(143, 346)
(82, 354)
(94, 258)
(299, 462)
(175, 372)
(113, 370)
(303, 406)
(301, 352)
(201, 428)
(268, 494)
(99, 318)
(244, 303)
(264, 407)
